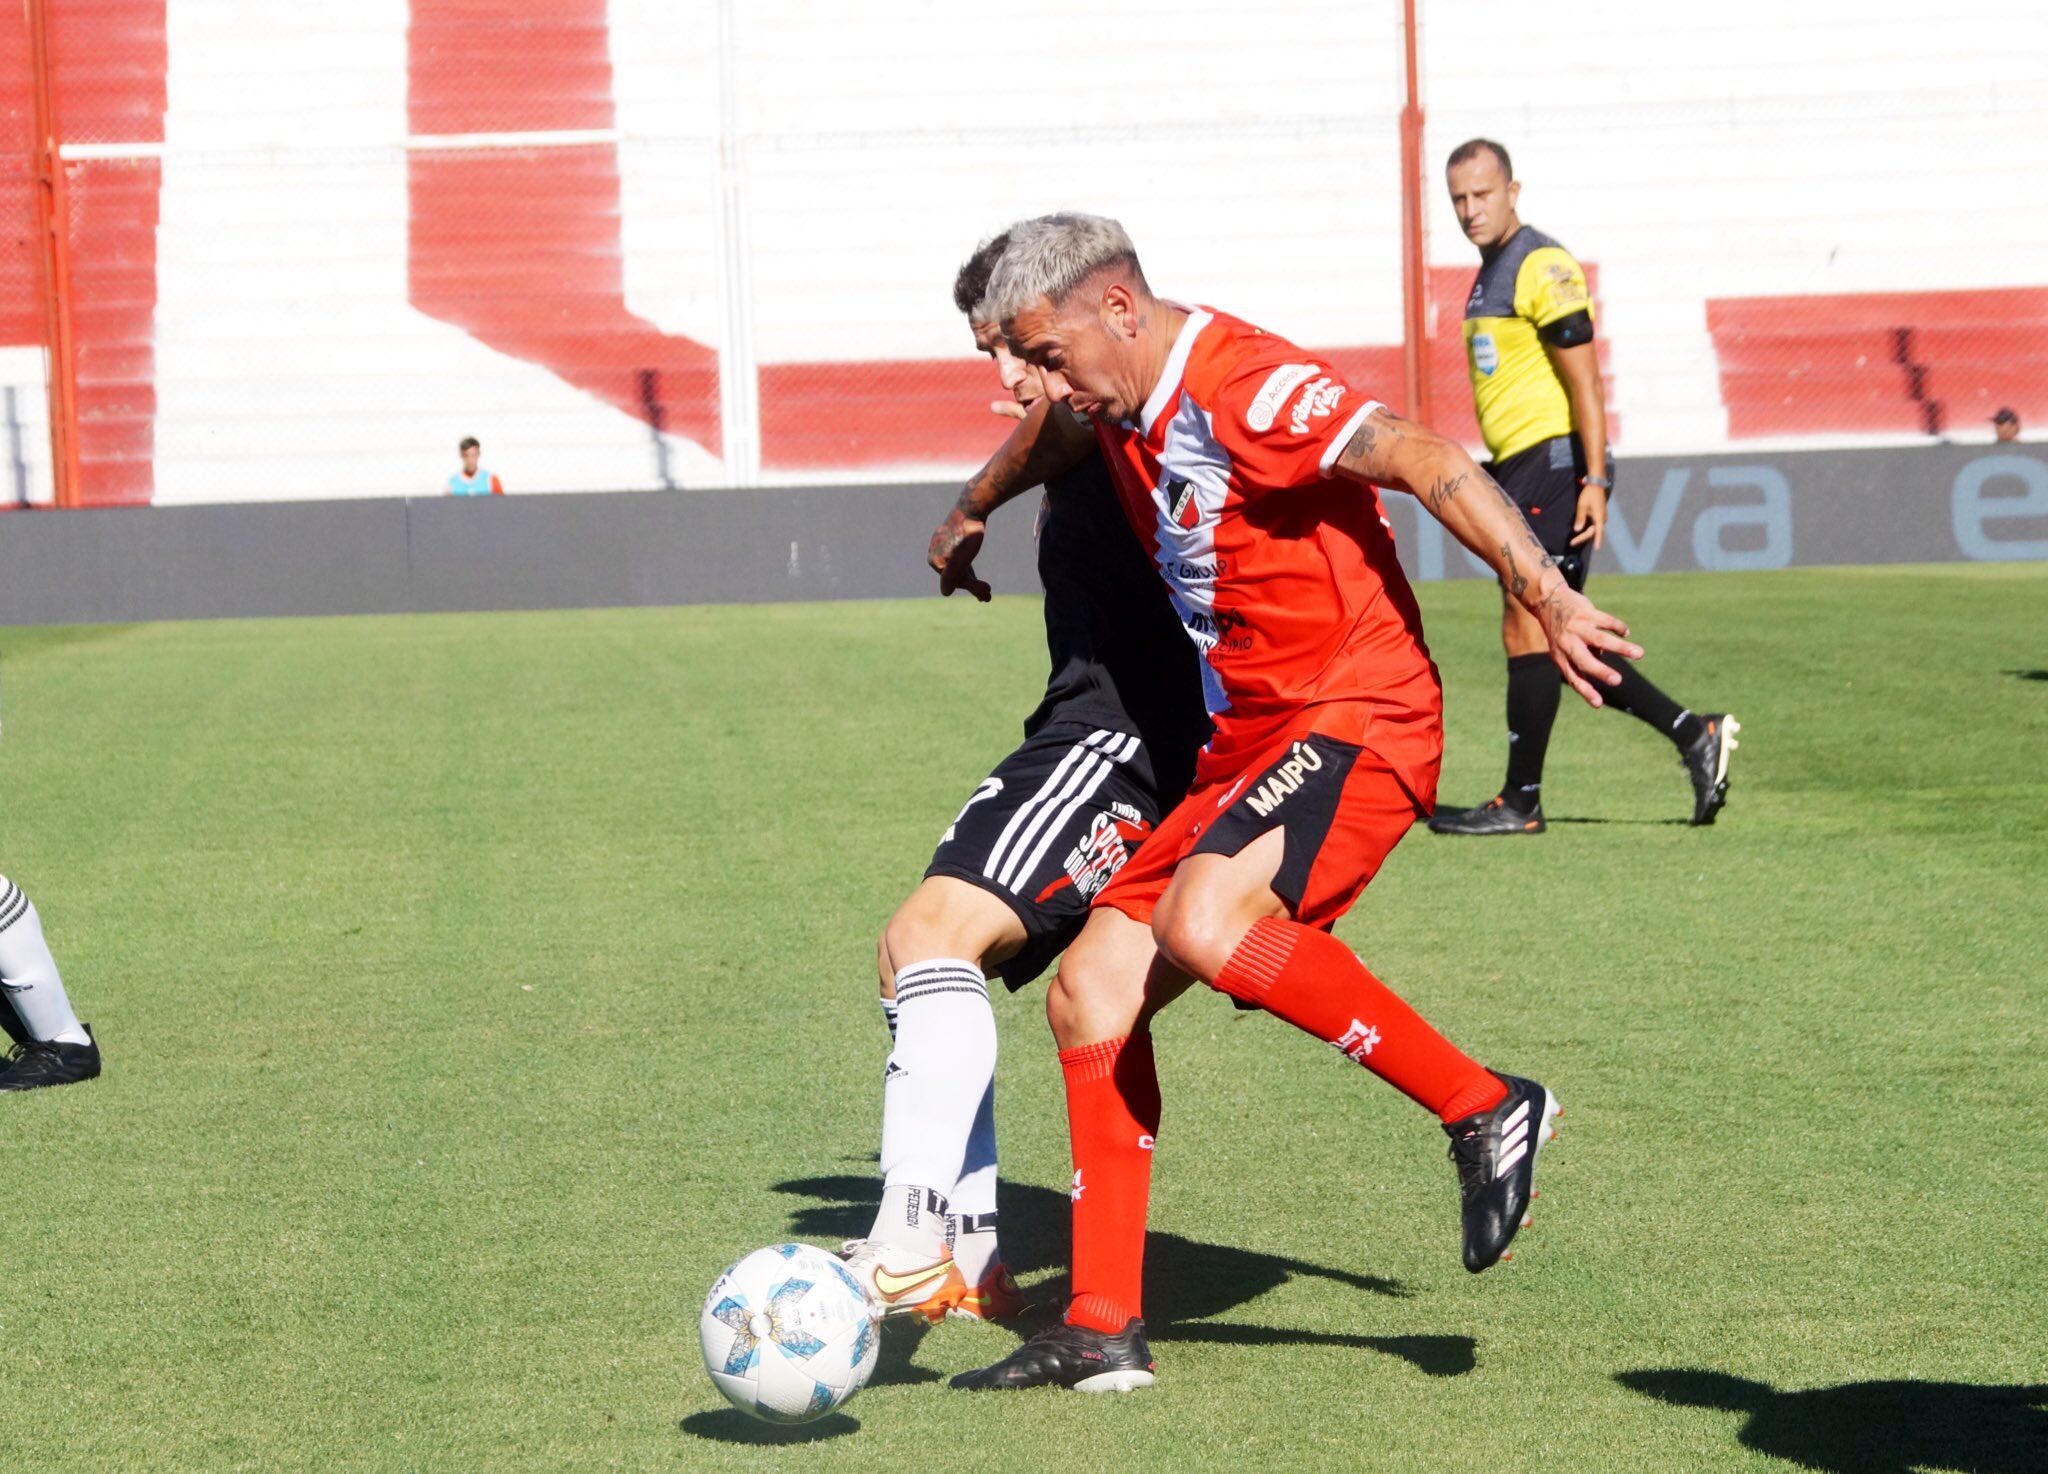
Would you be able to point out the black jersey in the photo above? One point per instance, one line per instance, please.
(1120, 658)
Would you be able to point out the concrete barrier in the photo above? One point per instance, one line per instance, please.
(1723, 512)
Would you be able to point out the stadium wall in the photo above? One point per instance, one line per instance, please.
(395, 555)
(646, 244)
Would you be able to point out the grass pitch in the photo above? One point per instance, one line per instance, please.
(473, 988)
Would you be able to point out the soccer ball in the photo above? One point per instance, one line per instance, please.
(787, 1334)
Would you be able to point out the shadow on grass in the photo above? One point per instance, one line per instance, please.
(1649, 823)
(1436, 1356)
(2026, 675)
(1188, 1280)
(730, 1425)
(1872, 1427)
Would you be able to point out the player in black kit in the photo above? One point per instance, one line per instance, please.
(1110, 748)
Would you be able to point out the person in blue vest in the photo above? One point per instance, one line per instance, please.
(473, 479)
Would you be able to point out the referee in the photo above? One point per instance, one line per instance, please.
(1536, 387)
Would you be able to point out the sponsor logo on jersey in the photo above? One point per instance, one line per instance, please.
(1485, 355)
(1564, 284)
(1357, 1042)
(1279, 385)
(1127, 812)
(1317, 400)
(1284, 779)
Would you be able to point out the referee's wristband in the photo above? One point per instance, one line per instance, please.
(1605, 483)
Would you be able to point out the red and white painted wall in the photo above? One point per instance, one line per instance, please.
(630, 243)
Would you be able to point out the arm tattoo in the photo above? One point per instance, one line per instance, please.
(1516, 579)
(1366, 438)
(970, 503)
(1445, 491)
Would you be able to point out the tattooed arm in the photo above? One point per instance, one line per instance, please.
(1387, 450)
(1050, 440)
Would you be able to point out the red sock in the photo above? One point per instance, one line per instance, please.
(1313, 981)
(1112, 1116)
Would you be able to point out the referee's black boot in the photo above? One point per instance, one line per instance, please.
(37, 1063)
(1706, 763)
(1495, 816)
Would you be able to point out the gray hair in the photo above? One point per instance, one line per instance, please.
(1050, 256)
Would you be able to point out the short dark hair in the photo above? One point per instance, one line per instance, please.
(971, 285)
(470, 442)
(2005, 417)
(1470, 149)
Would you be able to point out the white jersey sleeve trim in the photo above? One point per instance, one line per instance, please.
(1176, 366)
(1343, 437)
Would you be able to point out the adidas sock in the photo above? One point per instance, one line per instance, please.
(889, 1018)
(1641, 699)
(1113, 1119)
(940, 1069)
(1314, 981)
(1534, 686)
(28, 973)
(974, 1195)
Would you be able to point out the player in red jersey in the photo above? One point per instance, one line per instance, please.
(1249, 470)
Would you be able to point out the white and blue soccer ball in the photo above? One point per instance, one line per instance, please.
(787, 1334)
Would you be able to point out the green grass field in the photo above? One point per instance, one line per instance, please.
(474, 987)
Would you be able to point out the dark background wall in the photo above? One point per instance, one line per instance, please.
(1931, 504)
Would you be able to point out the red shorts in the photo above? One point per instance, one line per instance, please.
(1341, 804)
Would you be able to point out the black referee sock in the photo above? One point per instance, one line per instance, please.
(1533, 689)
(1643, 701)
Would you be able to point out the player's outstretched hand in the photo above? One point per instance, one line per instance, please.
(954, 545)
(1578, 632)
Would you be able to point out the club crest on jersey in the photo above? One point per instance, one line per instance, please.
(1181, 503)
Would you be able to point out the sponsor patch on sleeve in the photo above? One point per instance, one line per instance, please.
(1275, 392)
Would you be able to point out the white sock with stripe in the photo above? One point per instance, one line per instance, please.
(939, 1072)
(28, 973)
(974, 1196)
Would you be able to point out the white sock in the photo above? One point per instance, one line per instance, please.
(914, 1218)
(939, 1071)
(889, 1018)
(28, 973)
(974, 1196)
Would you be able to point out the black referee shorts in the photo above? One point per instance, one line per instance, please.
(1544, 481)
(1046, 831)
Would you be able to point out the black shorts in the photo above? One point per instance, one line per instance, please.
(1047, 829)
(1544, 482)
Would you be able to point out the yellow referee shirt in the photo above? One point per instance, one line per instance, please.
(1530, 283)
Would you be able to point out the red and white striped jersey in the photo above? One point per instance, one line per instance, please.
(1285, 578)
